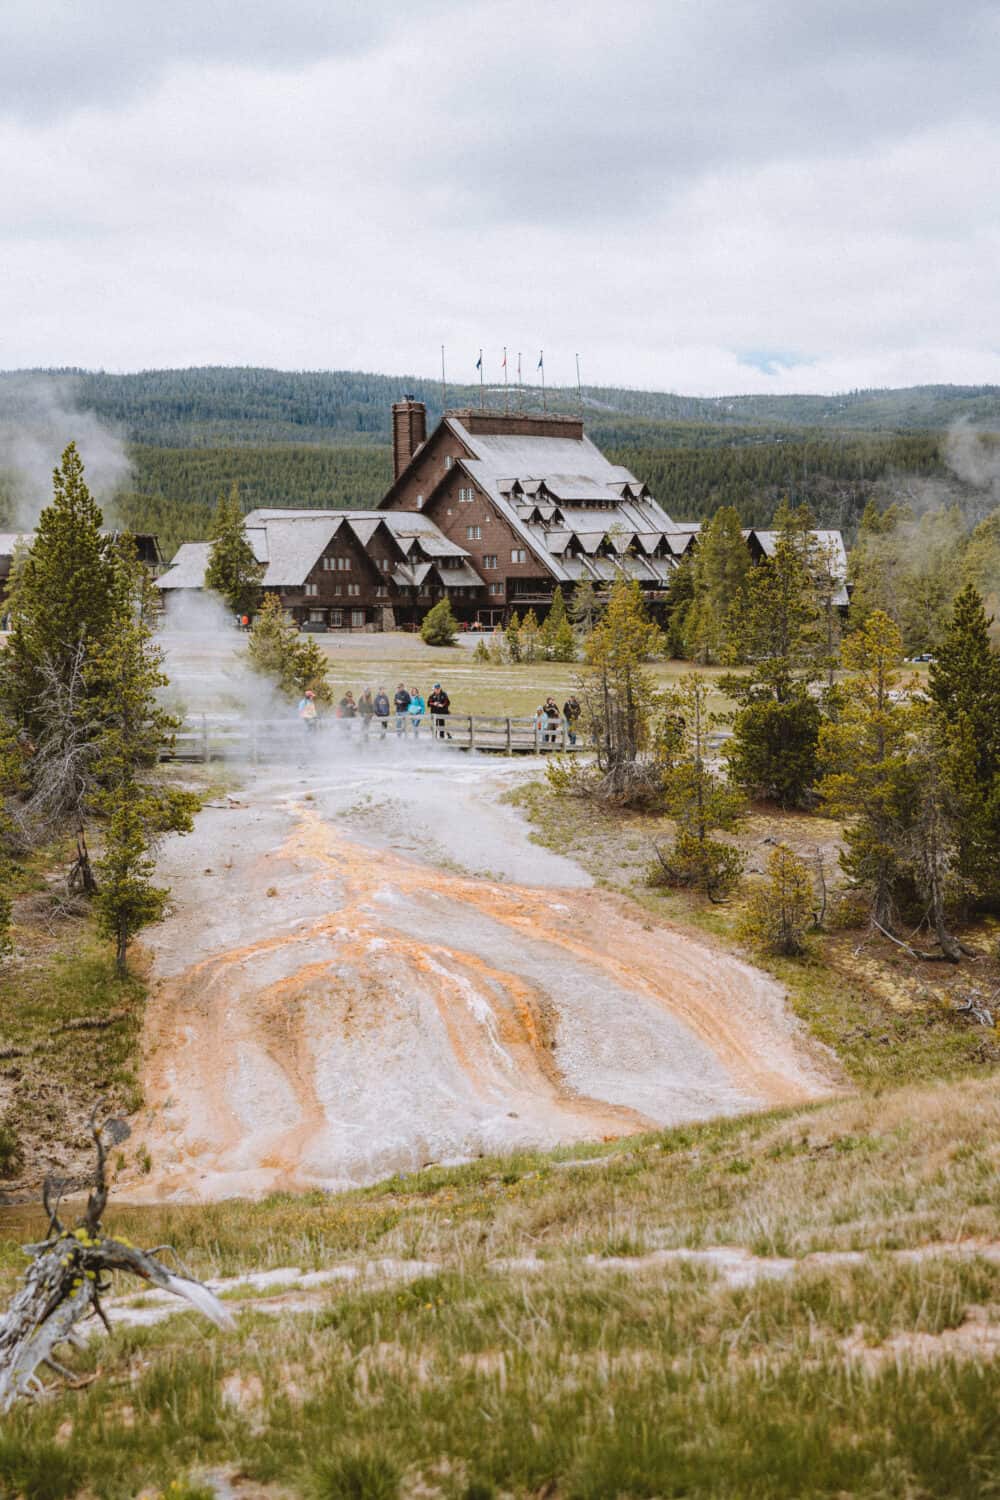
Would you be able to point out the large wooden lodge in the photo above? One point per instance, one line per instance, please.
(493, 511)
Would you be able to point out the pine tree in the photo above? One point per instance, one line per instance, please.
(556, 627)
(697, 799)
(618, 701)
(439, 625)
(868, 777)
(775, 625)
(772, 751)
(720, 566)
(564, 642)
(530, 645)
(964, 688)
(277, 651)
(126, 899)
(513, 636)
(233, 571)
(131, 727)
(62, 600)
(128, 793)
(583, 608)
(779, 912)
(679, 602)
(310, 668)
(274, 644)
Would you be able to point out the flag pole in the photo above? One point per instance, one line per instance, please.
(506, 397)
(541, 366)
(482, 393)
(520, 388)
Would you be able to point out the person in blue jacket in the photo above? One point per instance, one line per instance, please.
(416, 710)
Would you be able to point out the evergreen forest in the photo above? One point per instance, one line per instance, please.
(321, 439)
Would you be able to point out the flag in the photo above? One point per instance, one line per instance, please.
(479, 361)
(503, 365)
(541, 361)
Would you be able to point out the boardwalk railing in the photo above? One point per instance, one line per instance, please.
(207, 737)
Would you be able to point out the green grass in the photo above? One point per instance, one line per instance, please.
(473, 1381)
(889, 1020)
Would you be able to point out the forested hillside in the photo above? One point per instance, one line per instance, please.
(320, 439)
(215, 407)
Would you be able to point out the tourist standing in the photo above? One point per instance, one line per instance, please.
(439, 707)
(401, 703)
(416, 710)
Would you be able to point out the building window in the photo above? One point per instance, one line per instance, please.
(448, 460)
(353, 588)
(337, 589)
(496, 588)
(473, 533)
(489, 560)
(467, 495)
(518, 555)
(312, 589)
(317, 616)
(336, 617)
(357, 617)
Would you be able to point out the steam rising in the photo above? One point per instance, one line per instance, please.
(39, 416)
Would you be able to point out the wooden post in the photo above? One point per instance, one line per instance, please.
(472, 733)
(510, 743)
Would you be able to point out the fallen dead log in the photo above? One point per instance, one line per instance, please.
(67, 1276)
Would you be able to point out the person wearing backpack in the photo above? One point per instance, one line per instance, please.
(382, 709)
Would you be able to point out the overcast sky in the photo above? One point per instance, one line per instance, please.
(700, 195)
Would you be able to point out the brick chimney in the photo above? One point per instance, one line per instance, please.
(409, 431)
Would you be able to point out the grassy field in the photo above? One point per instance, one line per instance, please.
(359, 661)
(557, 1324)
(551, 1373)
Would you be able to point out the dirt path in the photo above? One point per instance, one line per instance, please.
(330, 1009)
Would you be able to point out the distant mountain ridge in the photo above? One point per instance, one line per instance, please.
(221, 405)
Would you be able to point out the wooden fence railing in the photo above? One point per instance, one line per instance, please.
(207, 737)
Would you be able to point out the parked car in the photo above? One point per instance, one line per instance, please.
(315, 627)
(923, 656)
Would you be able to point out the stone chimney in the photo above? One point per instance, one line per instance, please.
(409, 431)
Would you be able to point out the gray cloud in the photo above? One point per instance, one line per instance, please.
(661, 183)
(59, 55)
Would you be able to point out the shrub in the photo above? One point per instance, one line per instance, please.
(439, 625)
(772, 752)
(360, 1476)
(11, 1154)
(779, 913)
(701, 864)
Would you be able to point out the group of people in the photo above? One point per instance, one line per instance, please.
(548, 716)
(407, 710)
